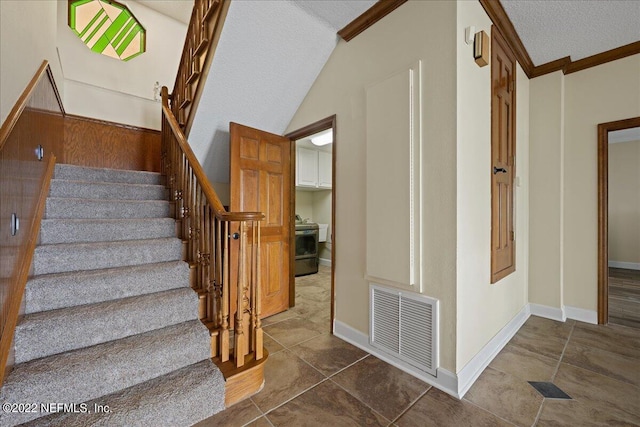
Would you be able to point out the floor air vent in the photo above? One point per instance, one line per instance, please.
(405, 325)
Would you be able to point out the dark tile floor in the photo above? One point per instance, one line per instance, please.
(624, 297)
(316, 379)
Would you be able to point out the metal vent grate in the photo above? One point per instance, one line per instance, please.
(404, 325)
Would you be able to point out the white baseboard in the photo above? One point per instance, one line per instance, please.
(458, 385)
(472, 370)
(325, 262)
(581, 314)
(625, 265)
(444, 380)
(564, 313)
(547, 312)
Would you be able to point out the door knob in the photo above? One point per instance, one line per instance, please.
(496, 170)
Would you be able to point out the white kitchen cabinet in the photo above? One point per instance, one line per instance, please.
(324, 169)
(306, 168)
(313, 169)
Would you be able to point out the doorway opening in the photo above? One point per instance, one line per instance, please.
(618, 279)
(313, 205)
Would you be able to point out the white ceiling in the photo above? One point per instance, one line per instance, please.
(555, 29)
(625, 135)
(271, 52)
(177, 9)
(269, 55)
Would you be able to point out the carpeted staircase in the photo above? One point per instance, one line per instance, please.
(110, 318)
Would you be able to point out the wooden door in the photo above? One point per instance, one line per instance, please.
(503, 128)
(261, 181)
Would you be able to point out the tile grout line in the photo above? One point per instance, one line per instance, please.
(294, 397)
(262, 414)
(411, 405)
(555, 372)
(544, 399)
(359, 400)
(488, 411)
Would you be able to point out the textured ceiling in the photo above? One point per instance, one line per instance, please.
(269, 55)
(552, 30)
(176, 9)
(336, 13)
(625, 135)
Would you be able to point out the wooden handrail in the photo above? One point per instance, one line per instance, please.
(203, 34)
(11, 120)
(35, 121)
(225, 265)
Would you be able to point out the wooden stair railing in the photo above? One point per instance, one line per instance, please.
(204, 225)
(31, 138)
(203, 33)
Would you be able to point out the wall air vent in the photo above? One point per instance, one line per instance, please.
(405, 326)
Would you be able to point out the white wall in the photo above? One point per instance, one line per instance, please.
(546, 155)
(416, 30)
(564, 131)
(22, 49)
(485, 308)
(322, 215)
(601, 94)
(624, 204)
(304, 204)
(105, 88)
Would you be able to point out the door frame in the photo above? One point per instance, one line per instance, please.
(603, 211)
(319, 126)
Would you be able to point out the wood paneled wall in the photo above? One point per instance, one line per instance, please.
(100, 144)
(36, 119)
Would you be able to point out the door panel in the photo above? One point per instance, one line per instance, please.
(503, 96)
(261, 181)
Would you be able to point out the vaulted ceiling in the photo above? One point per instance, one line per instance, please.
(271, 52)
(551, 30)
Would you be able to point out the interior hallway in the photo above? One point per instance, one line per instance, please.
(624, 297)
(315, 379)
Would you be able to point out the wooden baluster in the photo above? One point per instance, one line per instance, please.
(258, 322)
(207, 244)
(226, 295)
(239, 325)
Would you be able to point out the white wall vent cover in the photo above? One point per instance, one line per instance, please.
(405, 326)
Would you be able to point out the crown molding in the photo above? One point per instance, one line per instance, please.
(501, 20)
(372, 15)
(603, 57)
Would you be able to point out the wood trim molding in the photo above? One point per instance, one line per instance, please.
(6, 341)
(603, 58)
(550, 67)
(372, 15)
(11, 120)
(501, 20)
(320, 125)
(108, 123)
(603, 211)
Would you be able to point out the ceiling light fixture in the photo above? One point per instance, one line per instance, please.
(323, 138)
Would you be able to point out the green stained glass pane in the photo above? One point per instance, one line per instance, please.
(107, 27)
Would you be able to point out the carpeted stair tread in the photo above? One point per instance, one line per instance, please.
(73, 172)
(106, 190)
(181, 398)
(64, 207)
(90, 256)
(54, 231)
(59, 290)
(88, 373)
(109, 316)
(56, 331)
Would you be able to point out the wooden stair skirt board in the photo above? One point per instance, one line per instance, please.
(242, 383)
